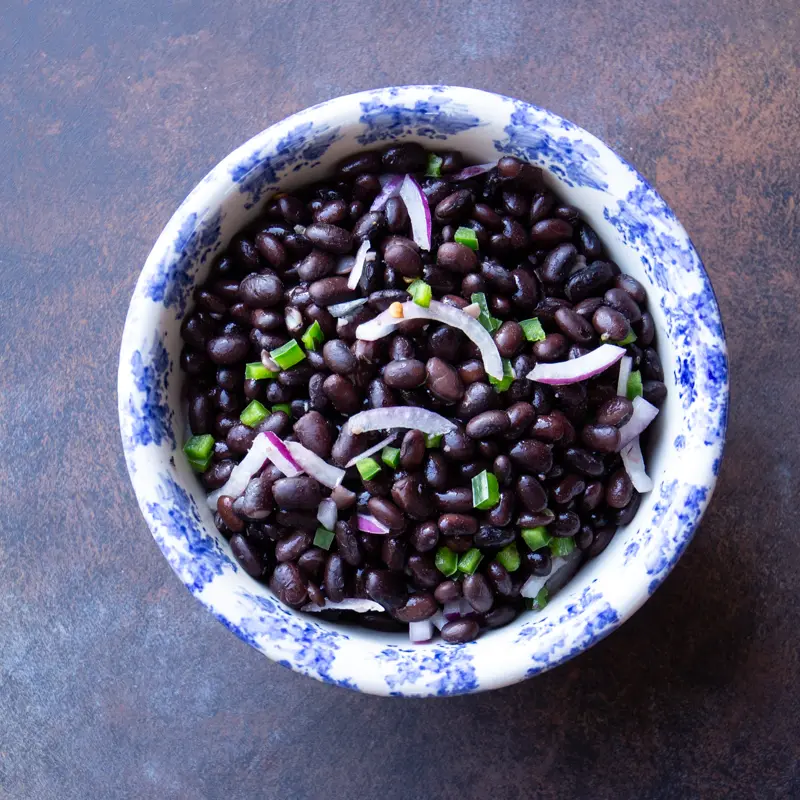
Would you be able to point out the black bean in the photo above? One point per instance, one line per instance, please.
(347, 543)
(217, 474)
(457, 257)
(514, 234)
(456, 205)
(229, 517)
(246, 556)
(400, 255)
(425, 537)
(460, 630)
(526, 291)
(436, 473)
(654, 392)
(499, 616)
(566, 523)
(582, 461)
(651, 366)
(551, 231)
(411, 496)
(300, 492)
(444, 342)
(287, 583)
(575, 326)
(342, 394)
(568, 488)
(229, 348)
(330, 237)
(291, 547)
(621, 301)
(553, 347)
(423, 570)
(601, 438)
(488, 423)
(493, 538)
(529, 520)
(369, 226)
(406, 157)
(240, 438)
(457, 446)
(412, 450)
(304, 520)
(333, 212)
(331, 290)
(590, 244)
(498, 276)
(334, 578)
(261, 291)
(272, 249)
(478, 398)
(588, 281)
(312, 431)
(610, 324)
(645, 330)
(619, 491)
(447, 591)
(630, 285)
(406, 374)
(338, 357)
(509, 339)
(477, 592)
(503, 470)
(419, 607)
(456, 500)
(442, 380)
(458, 525)
(531, 493)
(558, 263)
(616, 411)
(503, 513)
(516, 203)
(360, 163)
(532, 455)
(387, 512)
(487, 217)
(602, 538)
(312, 562)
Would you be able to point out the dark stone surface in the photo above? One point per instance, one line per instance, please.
(113, 681)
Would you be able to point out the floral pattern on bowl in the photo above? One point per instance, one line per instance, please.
(641, 234)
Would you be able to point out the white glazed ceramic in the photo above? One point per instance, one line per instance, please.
(642, 236)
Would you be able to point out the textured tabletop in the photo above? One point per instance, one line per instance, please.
(114, 682)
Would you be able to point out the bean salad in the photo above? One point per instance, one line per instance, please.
(418, 393)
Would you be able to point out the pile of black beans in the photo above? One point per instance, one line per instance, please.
(552, 449)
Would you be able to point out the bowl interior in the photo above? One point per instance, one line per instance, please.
(641, 235)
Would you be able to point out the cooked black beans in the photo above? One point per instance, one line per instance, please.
(553, 450)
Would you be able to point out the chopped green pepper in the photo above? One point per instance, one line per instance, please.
(288, 355)
(635, 385)
(368, 468)
(258, 372)
(486, 319)
(536, 538)
(253, 414)
(446, 561)
(509, 557)
(469, 561)
(390, 456)
(561, 545)
(533, 330)
(313, 337)
(466, 236)
(323, 538)
(485, 491)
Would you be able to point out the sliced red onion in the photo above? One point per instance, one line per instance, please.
(268, 362)
(358, 266)
(534, 585)
(625, 367)
(579, 369)
(473, 309)
(357, 604)
(438, 620)
(366, 523)
(280, 456)
(344, 265)
(240, 475)
(374, 449)
(643, 414)
(327, 513)
(473, 171)
(384, 419)
(452, 610)
(347, 308)
(419, 212)
(419, 632)
(378, 327)
(343, 498)
(390, 187)
(470, 327)
(633, 461)
(316, 467)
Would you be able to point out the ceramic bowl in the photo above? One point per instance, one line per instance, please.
(641, 234)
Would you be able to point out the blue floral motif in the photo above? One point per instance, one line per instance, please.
(196, 556)
(197, 240)
(301, 147)
(150, 414)
(435, 118)
(540, 138)
(313, 649)
(444, 670)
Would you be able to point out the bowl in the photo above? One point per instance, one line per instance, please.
(641, 234)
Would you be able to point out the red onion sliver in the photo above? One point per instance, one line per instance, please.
(268, 362)
(643, 414)
(384, 419)
(575, 370)
(347, 308)
(625, 367)
(366, 523)
(473, 171)
(378, 327)
(470, 327)
(633, 462)
(473, 309)
(452, 610)
(358, 267)
(357, 604)
(279, 455)
(374, 449)
(319, 469)
(390, 188)
(438, 620)
(534, 585)
(420, 632)
(327, 513)
(240, 475)
(419, 212)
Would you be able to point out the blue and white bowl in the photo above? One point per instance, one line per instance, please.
(643, 237)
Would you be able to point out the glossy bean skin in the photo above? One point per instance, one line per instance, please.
(477, 592)
(460, 630)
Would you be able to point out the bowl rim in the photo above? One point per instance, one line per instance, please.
(264, 139)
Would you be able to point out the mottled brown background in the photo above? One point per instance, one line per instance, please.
(114, 682)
